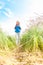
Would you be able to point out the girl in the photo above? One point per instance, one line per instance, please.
(17, 30)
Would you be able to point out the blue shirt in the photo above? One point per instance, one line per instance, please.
(17, 28)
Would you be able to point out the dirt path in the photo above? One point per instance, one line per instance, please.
(21, 58)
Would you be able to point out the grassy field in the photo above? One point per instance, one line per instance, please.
(7, 42)
(29, 52)
(32, 39)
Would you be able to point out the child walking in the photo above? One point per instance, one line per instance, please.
(17, 30)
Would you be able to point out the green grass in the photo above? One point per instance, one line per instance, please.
(32, 39)
(7, 42)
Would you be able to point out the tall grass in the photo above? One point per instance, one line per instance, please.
(7, 42)
(32, 39)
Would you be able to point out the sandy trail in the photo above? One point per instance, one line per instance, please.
(21, 58)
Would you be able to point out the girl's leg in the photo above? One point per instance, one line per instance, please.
(17, 38)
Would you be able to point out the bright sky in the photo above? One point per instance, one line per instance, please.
(22, 10)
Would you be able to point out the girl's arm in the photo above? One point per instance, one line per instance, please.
(15, 27)
(19, 27)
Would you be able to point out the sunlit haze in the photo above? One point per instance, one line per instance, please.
(22, 10)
